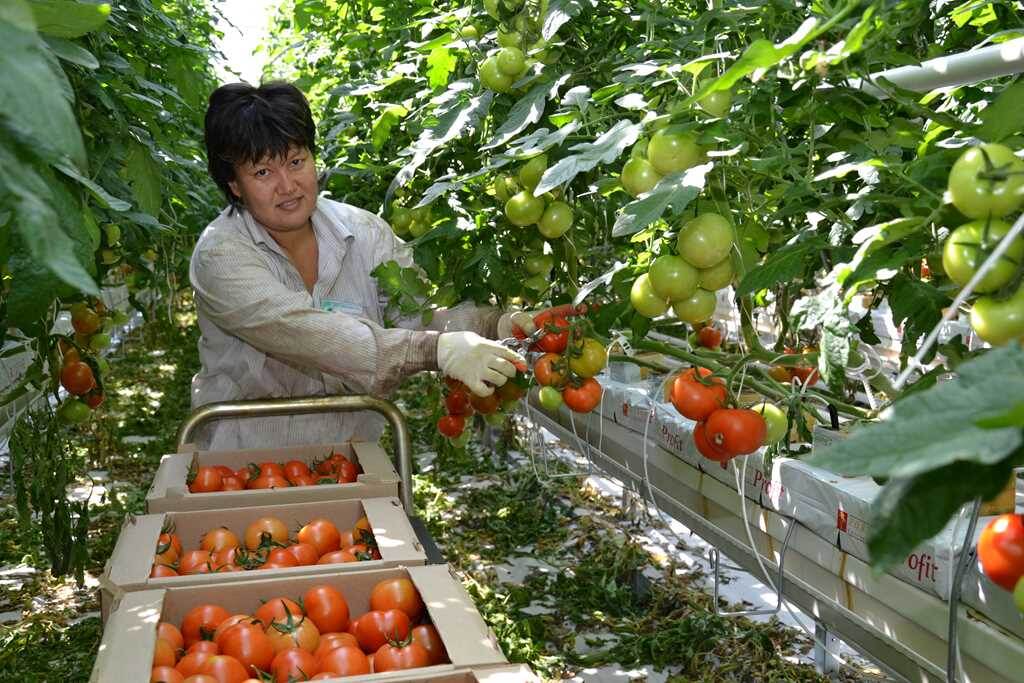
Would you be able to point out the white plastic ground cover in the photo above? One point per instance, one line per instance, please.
(835, 508)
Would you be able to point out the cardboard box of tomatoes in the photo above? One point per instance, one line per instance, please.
(258, 477)
(225, 546)
(348, 624)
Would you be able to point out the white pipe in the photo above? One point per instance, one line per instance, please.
(952, 70)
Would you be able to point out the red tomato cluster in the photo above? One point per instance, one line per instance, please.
(804, 373)
(461, 404)
(721, 433)
(265, 544)
(1001, 552)
(334, 469)
(312, 639)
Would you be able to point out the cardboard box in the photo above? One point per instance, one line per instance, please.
(129, 565)
(169, 492)
(126, 651)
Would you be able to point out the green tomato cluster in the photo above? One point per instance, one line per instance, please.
(687, 280)
(412, 223)
(552, 216)
(669, 150)
(986, 184)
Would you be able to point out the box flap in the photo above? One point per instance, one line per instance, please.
(394, 535)
(468, 639)
(126, 651)
(132, 559)
(375, 461)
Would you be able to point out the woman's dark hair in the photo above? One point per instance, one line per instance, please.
(245, 124)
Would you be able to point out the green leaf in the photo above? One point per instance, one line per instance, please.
(909, 511)
(70, 52)
(1003, 117)
(143, 173)
(381, 129)
(782, 265)
(559, 12)
(106, 199)
(676, 191)
(67, 19)
(30, 92)
(440, 64)
(36, 289)
(918, 304)
(1014, 417)
(527, 110)
(934, 428)
(604, 150)
(33, 200)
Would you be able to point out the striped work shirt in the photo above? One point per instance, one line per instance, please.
(265, 335)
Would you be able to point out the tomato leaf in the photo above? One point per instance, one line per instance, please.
(909, 511)
(70, 52)
(143, 173)
(676, 191)
(67, 19)
(917, 306)
(559, 12)
(527, 110)
(1004, 117)
(440, 62)
(937, 427)
(782, 265)
(1011, 418)
(604, 150)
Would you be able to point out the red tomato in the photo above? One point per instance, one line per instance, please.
(77, 378)
(278, 608)
(201, 622)
(428, 637)
(337, 557)
(224, 470)
(207, 646)
(171, 634)
(294, 664)
(224, 669)
(160, 571)
(397, 657)
(485, 405)
(295, 468)
(279, 558)
(272, 481)
(304, 553)
(220, 560)
(194, 562)
(250, 645)
(218, 539)
(709, 337)
(451, 425)
(264, 531)
(204, 480)
(1001, 550)
(457, 402)
(557, 337)
(347, 472)
(376, 627)
(345, 661)
(270, 469)
(232, 483)
(398, 593)
(696, 400)
(231, 622)
(165, 674)
(164, 653)
(327, 608)
(295, 631)
(322, 534)
(330, 641)
(736, 431)
(201, 678)
(584, 398)
(189, 664)
(302, 480)
(549, 370)
(705, 447)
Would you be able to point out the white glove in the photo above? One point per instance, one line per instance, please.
(473, 360)
(513, 319)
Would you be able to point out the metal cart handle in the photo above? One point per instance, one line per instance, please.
(309, 405)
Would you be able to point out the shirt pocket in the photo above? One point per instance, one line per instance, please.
(346, 306)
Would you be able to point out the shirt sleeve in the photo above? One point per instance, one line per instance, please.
(466, 316)
(236, 291)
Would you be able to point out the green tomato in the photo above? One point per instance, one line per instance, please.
(697, 309)
(73, 411)
(112, 231)
(530, 173)
(505, 186)
(591, 359)
(119, 317)
(672, 278)
(492, 9)
(495, 419)
(539, 264)
(149, 255)
(987, 180)
(775, 418)
(550, 399)
(643, 298)
(639, 176)
(716, 103)
(401, 219)
(509, 38)
(717, 276)
(705, 240)
(493, 78)
(469, 32)
(524, 209)
(99, 341)
(102, 364)
(999, 322)
(671, 150)
(109, 256)
(556, 220)
(968, 247)
(511, 61)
